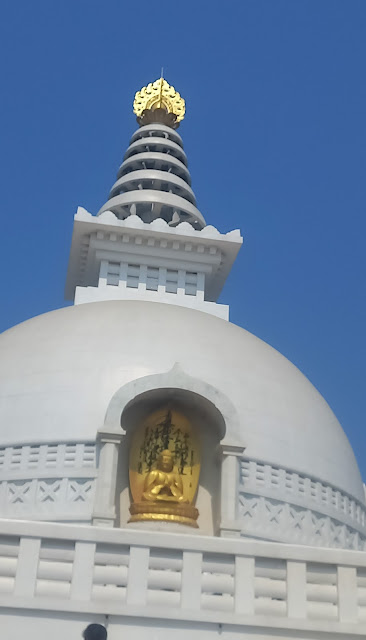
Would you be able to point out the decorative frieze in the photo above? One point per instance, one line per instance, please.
(280, 504)
(28, 458)
(51, 482)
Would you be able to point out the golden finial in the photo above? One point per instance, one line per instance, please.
(161, 98)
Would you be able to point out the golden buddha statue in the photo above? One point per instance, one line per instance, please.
(163, 483)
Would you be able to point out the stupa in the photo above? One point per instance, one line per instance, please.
(163, 470)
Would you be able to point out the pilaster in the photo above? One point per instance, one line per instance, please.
(104, 513)
(229, 456)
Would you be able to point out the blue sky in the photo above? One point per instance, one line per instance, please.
(276, 141)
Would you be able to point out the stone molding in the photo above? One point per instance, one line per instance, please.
(280, 504)
(270, 519)
(48, 481)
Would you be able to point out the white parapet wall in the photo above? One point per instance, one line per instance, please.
(138, 579)
(98, 294)
(57, 482)
(284, 505)
(53, 481)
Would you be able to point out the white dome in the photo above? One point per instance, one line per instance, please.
(58, 372)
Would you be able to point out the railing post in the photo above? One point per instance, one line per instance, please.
(138, 570)
(347, 594)
(296, 589)
(191, 580)
(82, 571)
(244, 589)
(27, 567)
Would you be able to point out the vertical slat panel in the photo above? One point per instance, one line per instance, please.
(82, 571)
(138, 569)
(244, 586)
(296, 589)
(347, 594)
(191, 580)
(27, 566)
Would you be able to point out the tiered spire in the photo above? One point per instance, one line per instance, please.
(149, 241)
(153, 180)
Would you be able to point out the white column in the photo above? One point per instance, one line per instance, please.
(347, 594)
(181, 287)
(191, 580)
(244, 593)
(104, 513)
(27, 567)
(138, 571)
(103, 273)
(200, 286)
(162, 280)
(143, 277)
(82, 571)
(296, 589)
(122, 284)
(230, 455)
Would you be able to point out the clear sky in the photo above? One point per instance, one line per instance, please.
(276, 141)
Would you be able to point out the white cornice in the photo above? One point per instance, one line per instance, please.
(92, 235)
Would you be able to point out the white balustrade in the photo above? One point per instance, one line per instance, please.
(297, 508)
(183, 577)
(50, 482)
(298, 489)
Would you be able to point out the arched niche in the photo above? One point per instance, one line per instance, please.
(211, 414)
(207, 423)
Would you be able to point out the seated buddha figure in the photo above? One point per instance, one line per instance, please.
(162, 483)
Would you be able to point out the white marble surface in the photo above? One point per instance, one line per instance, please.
(56, 579)
(59, 372)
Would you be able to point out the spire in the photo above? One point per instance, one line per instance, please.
(153, 180)
(149, 241)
